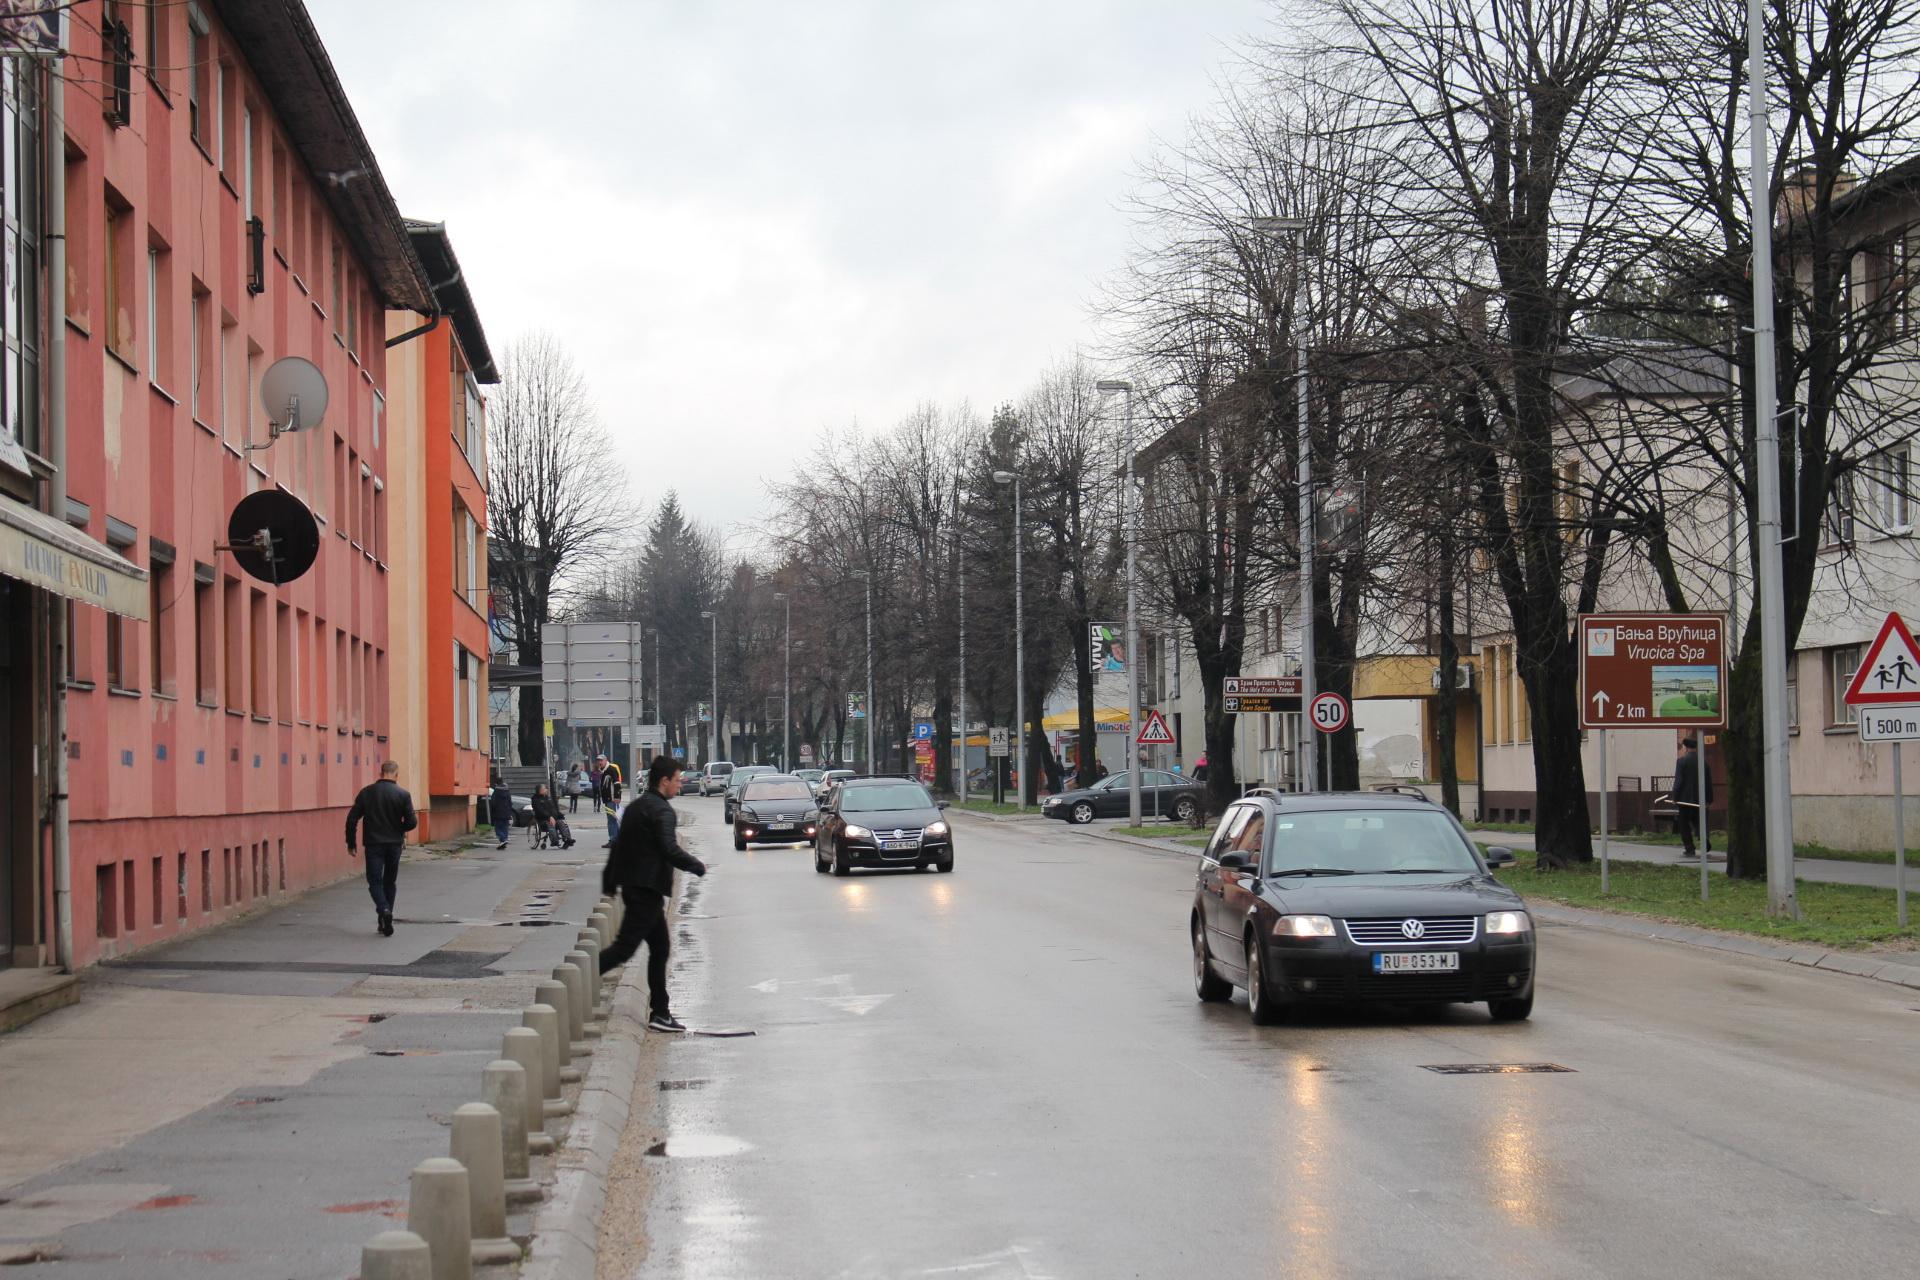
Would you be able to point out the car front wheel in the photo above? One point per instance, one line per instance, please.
(1184, 810)
(1207, 984)
(739, 841)
(1264, 1009)
(1083, 812)
(1515, 1010)
(840, 864)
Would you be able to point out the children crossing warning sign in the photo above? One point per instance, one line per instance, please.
(1889, 676)
(1155, 733)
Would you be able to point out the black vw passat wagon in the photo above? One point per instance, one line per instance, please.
(1356, 897)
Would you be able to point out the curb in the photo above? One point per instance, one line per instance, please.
(566, 1230)
(998, 817)
(1858, 964)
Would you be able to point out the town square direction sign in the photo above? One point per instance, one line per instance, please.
(1653, 670)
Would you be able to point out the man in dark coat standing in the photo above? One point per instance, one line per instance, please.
(1686, 795)
(387, 812)
(500, 810)
(645, 851)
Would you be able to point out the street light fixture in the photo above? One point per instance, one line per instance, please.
(1019, 647)
(713, 726)
(867, 578)
(1309, 744)
(1131, 518)
(786, 690)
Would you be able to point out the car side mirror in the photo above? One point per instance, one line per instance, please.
(1233, 862)
(945, 803)
(1499, 856)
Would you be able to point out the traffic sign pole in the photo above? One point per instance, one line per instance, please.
(1700, 754)
(1603, 813)
(1899, 841)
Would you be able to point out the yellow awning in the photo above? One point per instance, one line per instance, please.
(54, 556)
(1071, 719)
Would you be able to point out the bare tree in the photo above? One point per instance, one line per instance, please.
(550, 504)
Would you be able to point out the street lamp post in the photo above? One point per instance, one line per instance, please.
(960, 769)
(1019, 647)
(1130, 517)
(713, 730)
(786, 689)
(659, 694)
(867, 578)
(1309, 736)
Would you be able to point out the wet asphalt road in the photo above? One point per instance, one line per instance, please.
(1003, 1072)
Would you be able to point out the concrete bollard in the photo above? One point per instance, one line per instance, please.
(503, 1086)
(597, 1009)
(544, 1019)
(601, 922)
(572, 974)
(554, 994)
(522, 1045)
(439, 1211)
(396, 1255)
(476, 1144)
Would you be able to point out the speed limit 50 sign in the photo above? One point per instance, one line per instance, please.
(1329, 712)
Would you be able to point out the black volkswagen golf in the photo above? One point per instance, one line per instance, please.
(1361, 897)
(881, 822)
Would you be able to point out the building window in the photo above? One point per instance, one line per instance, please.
(1842, 662)
(206, 633)
(1840, 512)
(118, 276)
(339, 284)
(157, 46)
(120, 672)
(236, 646)
(233, 404)
(161, 630)
(159, 332)
(262, 657)
(284, 675)
(199, 47)
(200, 340)
(1890, 480)
(20, 184)
(1793, 691)
(246, 163)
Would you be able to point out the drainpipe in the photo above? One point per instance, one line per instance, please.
(53, 134)
(433, 322)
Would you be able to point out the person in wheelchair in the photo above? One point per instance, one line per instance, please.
(549, 826)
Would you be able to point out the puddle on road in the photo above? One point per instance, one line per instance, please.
(699, 1145)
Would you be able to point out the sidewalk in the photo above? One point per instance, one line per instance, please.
(250, 1101)
(1820, 870)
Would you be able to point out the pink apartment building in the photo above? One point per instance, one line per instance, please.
(223, 211)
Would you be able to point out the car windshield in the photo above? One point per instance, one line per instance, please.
(1367, 841)
(809, 775)
(893, 795)
(777, 789)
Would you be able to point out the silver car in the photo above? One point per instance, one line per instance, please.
(715, 781)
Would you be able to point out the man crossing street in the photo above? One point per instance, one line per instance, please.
(387, 812)
(645, 851)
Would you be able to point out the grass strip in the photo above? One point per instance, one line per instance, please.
(1668, 839)
(1178, 832)
(1834, 915)
(989, 806)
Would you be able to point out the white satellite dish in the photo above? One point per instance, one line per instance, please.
(294, 392)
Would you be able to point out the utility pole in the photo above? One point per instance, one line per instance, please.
(713, 728)
(1128, 515)
(1781, 898)
(1019, 646)
(960, 768)
(786, 690)
(866, 576)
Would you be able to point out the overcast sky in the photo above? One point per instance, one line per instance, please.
(753, 221)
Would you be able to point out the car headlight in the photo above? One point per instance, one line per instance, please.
(856, 833)
(1508, 923)
(936, 828)
(1051, 802)
(1303, 927)
(745, 814)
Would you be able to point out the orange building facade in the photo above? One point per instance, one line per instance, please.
(437, 459)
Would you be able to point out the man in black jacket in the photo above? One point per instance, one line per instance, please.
(387, 811)
(1687, 798)
(645, 852)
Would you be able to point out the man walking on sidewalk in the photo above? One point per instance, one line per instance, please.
(387, 811)
(645, 852)
(500, 810)
(1687, 798)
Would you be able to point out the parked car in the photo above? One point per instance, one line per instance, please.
(774, 808)
(1356, 897)
(811, 777)
(730, 798)
(714, 781)
(1162, 795)
(882, 822)
(693, 782)
(829, 777)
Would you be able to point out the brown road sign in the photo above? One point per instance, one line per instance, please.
(1653, 670)
(1261, 686)
(1257, 704)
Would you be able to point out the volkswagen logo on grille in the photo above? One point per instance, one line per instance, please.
(1413, 928)
(899, 834)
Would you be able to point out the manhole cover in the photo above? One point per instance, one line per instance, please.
(671, 1086)
(1494, 1068)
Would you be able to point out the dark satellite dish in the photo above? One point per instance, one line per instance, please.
(273, 536)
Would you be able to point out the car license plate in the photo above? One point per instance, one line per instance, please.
(1416, 961)
(779, 826)
(899, 844)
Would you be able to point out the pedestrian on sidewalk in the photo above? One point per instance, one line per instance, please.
(576, 783)
(640, 868)
(500, 810)
(387, 810)
(1687, 798)
(593, 783)
(609, 796)
(546, 816)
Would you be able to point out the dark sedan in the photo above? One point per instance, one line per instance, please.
(774, 808)
(1356, 898)
(1162, 795)
(882, 822)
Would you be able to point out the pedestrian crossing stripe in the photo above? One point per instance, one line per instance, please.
(1155, 733)
(1890, 673)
